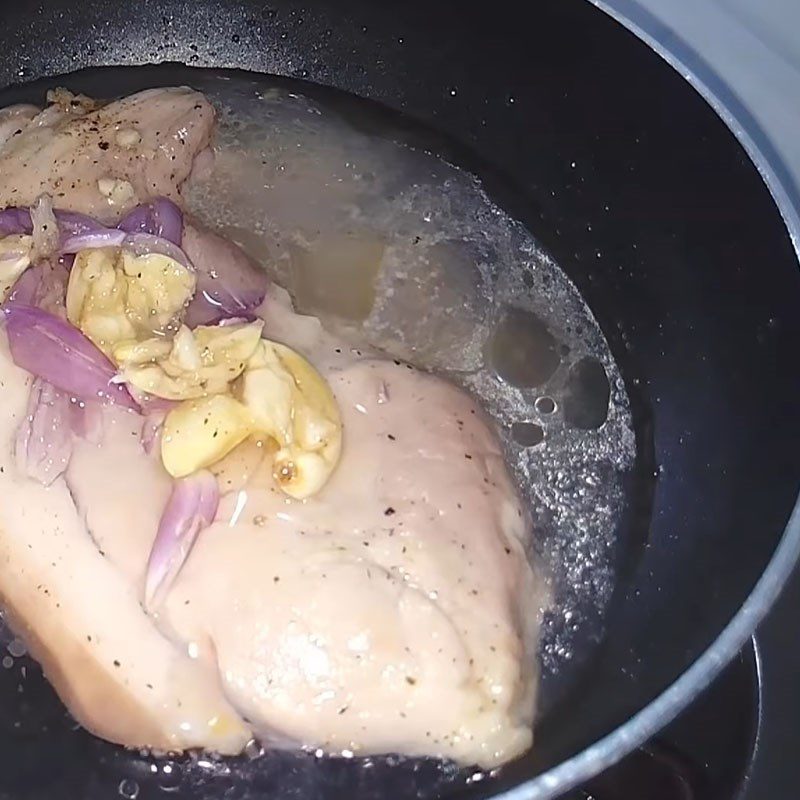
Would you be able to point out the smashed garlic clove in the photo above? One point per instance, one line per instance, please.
(249, 463)
(185, 352)
(268, 394)
(15, 258)
(199, 433)
(114, 296)
(280, 398)
(290, 401)
(230, 346)
(158, 289)
(153, 379)
(150, 379)
(96, 297)
(301, 474)
(195, 364)
(128, 138)
(117, 191)
(311, 386)
(135, 353)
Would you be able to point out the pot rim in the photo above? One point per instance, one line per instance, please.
(663, 709)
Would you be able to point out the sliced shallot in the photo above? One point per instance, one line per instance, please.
(43, 285)
(15, 220)
(160, 217)
(142, 244)
(86, 420)
(191, 507)
(44, 438)
(229, 283)
(25, 290)
(104, 237)
(51, 348)
(72, 223)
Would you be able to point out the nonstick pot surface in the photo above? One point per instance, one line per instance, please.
(648, 203)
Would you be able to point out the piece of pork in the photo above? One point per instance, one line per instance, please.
(103, 161)
(81, 616)
(14, 119)
(394, 611)
(78, 609)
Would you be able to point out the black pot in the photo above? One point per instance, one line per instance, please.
(681, 245)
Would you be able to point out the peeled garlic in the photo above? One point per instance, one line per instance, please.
(267, 390)
(116, 297)
(300, 474)
(291, 402)
(128, 137)
(279, 396)
(195, 363)
(118, 192)
(133, 353)
(158, 288)
(248, 464)
(198, 433)
(15, 258)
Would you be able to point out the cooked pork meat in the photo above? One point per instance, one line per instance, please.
(386, 616)
(102, 161)
(80, 613)
(14, 119)
(393, 610)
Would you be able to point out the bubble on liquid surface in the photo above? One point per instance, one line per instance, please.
(169, 775)
(527, 434)
(522, 350)
(128, 789)
(586, 394)
(545, 405)
(16, 647)
(405, 252)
